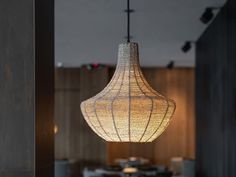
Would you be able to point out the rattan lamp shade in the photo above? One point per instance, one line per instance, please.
(128, 109)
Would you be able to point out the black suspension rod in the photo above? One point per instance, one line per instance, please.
(128, 20)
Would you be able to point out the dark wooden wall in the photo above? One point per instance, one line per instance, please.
(216, 96)
(75, 140)
(16, 89)
(179, 138)
(26, 86)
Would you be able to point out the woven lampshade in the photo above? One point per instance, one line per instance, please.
(128, 109)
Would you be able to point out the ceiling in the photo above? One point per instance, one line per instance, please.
(89, 31)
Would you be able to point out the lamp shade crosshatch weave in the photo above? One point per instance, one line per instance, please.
(128, 109)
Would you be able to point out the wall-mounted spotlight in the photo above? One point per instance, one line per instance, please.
(170, 65)
(208, 14)
(187, 46)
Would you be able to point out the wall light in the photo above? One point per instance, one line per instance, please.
(208, 14)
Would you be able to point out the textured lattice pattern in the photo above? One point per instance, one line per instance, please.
(128, 109)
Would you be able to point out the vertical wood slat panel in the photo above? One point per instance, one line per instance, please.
(215, 103)
(157, 78)
(75, 140)
(190, 115)
(92, 82)
(66, 100)
(179, 138)
(16, 89)
(210, 92)
(26, 115)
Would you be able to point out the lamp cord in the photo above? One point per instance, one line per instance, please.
(128, 21)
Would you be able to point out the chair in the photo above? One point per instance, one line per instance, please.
(61, 168)
(188, 169)
(176, 165)
(182, 167)
(91, 173)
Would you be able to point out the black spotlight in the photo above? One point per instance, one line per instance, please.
(207, 15)
(186, 47)
(170, 65)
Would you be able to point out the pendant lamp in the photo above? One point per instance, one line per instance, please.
(128, 109)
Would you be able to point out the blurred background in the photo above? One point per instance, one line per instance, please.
(169, 33)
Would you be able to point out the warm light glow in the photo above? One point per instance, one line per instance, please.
(55, 129)
(130, 170)
(128, 109)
